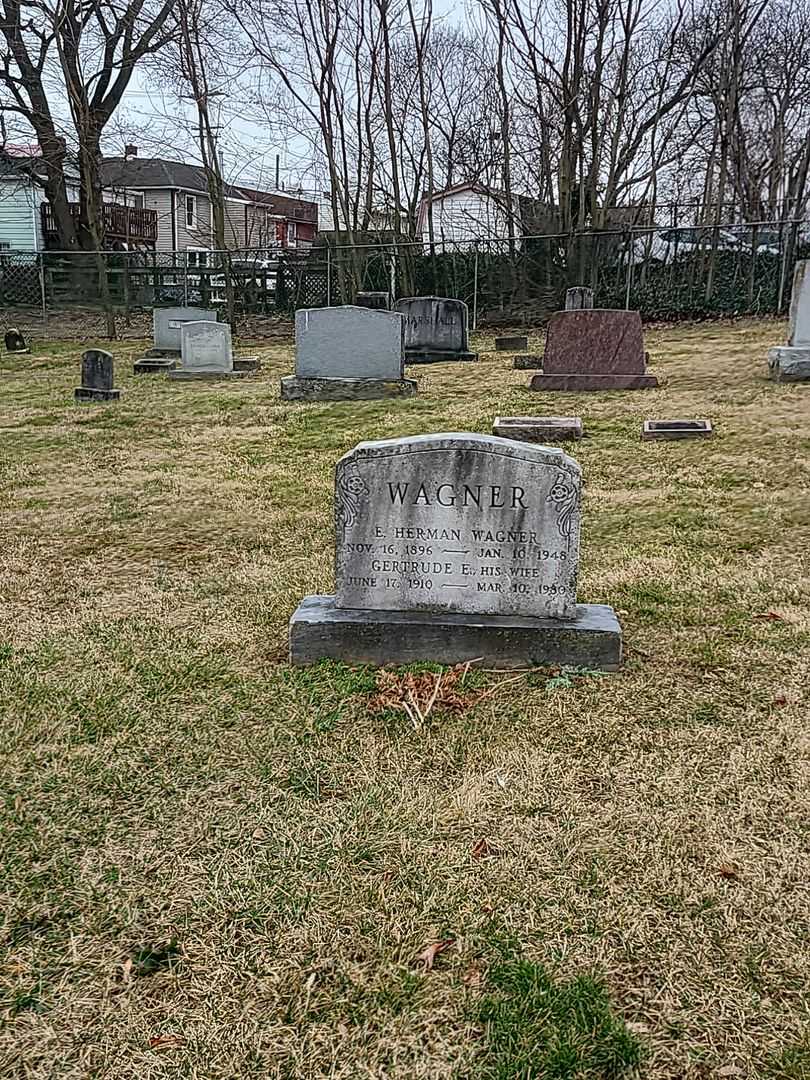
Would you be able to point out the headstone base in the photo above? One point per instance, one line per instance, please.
(158, 353)
(789, 363)
(593, 382)
(17, 352)
(180, 375)
(246, 363)
(153, 365)
(319, 629)
(538, 429)
(89, 393)
(436, 356)
(527, 361)
(295, 389)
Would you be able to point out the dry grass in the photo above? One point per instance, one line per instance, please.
(168, 779)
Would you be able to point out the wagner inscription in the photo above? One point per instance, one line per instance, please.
(457, 522)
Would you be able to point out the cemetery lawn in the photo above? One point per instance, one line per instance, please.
(217, 866)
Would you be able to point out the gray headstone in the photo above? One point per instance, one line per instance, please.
(579, 298)
(800, 305)
(377, 301)
(348, 343)
(168, 322)
(457, 523)
(15, 341)
(206, 347)
(97, 370)
(434, 324)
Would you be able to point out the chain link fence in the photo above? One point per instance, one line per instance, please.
(673, 273)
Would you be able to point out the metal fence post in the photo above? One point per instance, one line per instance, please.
(475, 287)
(328, 275)
(630, 257)
(42, 292)
(782, 269)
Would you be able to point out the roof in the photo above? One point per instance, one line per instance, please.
(283, 204)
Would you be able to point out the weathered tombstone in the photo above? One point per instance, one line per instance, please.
(512, 343)
(436, 329)
(97, 377)
(676, 429)
(15, 342)
(167, 325)
(791, 362)
(205, 352)
(597, 349)
(347, 353)
(580, 298)
(538, 429)
(456, 547)
(377, 301)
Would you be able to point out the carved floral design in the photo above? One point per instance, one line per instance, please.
(353, 490)
(564, 496)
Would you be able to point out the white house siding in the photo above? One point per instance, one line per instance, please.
(20, 221)
(161, 201)
(461, 217)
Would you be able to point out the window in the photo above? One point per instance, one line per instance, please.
(196, 257)
(191, 211)
(290, 232)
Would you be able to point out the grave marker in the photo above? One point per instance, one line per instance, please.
(676, 429)
(436, 329)
(512, 343)
(791, 362)
(15, 341)
(597, 349)
(455, 547)
(167, 325)
(347, 353)
(580, 298)
(97, 377)
(205, 349)
(377, 301)
(538, 429)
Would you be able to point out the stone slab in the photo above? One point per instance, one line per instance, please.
(593, 382)
(162, 354)
(348, 342)
(434, 326)
(377, 301)
(167, 324)
(591, 638)
(527, 361)
(15, 341)
(153, 365)
(185, 375)
(205, 347)
(602, 341)
(538, 429)
(295, 389)
(676, 429)
(512, 343)
(789, 363)
(247, 363)
(579, 298)
(799, 332)
(436, 356)
(94, 393)
(457, 522)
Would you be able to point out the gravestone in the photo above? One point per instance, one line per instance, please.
(167, 325)
(15, 342)
(97, 377)
(676, 429)
(456, 547)
(538, 429)
(347, 353)
(597, 349)
(512, 343)
(791, 362)
(205, 353)
(436, 329)
(527, 361)
(377, 301)
(580, 298)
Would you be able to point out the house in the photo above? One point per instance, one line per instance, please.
(468, 212)
(178, 194)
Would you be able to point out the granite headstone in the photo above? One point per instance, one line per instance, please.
(453, 547)
(205, 351)
(97, 377)
(791, 362)
(580, 298)
(167, 325)
(377, 301)
(15, 341)
(596, 349)
(538, 429)
(436, 329)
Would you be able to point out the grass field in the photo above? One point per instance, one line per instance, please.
(216, 866)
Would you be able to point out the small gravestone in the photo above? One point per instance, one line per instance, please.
(527, 361)
(676, 429)
(580, 298)
(512, 343)
(436, 329)
(456, 547)
(15, 342)
(205, 353)
(377, 301)
(791, 362)
(597, 349)
(167, 325)
(97, 377)
(345, 354)
(538, 429)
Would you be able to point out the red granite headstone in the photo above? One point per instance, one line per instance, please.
(596, 349)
